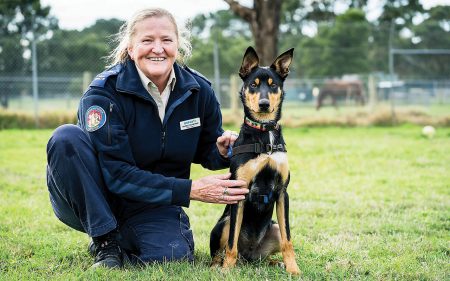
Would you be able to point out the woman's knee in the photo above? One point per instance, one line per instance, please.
(159, 235)
(65, 139)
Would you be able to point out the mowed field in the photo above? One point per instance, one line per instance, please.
(365, 204)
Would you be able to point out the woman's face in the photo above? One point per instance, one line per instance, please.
(154, 48)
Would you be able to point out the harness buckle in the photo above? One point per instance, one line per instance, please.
(269, 148)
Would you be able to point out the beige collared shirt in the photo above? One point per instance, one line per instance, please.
(161, 99)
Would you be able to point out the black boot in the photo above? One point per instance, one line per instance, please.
(107, 251)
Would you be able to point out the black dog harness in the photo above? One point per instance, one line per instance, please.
(258, 198)
(258, 148)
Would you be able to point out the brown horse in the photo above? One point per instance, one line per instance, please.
(341, 89)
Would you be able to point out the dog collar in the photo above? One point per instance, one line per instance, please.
(261, 126)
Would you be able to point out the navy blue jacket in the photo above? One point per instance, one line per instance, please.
(143, 160)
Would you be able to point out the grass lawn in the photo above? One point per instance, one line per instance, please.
(366, 203)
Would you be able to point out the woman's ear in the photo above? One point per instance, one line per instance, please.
(130, 51)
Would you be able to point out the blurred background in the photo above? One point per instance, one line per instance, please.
(352, 56)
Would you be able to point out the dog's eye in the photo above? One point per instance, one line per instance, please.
(273, 86)
(253, 85)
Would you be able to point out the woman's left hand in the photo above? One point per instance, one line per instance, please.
(225, 141)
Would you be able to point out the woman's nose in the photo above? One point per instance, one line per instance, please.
(157, 49)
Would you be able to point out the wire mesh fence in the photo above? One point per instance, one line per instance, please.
(69, 59)
(63, 92)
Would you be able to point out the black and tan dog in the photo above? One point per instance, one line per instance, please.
(258, 157)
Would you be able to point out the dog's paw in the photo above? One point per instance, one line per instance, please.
(293, 269)
(230, 260)
(216, 262)
(276, 263)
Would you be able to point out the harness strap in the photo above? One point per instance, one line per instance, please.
(258, 198)
(258, 148)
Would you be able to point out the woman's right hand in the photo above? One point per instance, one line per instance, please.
(218, 189)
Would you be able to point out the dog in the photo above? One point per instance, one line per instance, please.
(258, 157)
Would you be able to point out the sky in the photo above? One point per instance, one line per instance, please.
(78, 14)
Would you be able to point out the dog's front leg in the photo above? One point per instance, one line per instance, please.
(287, 248)
(231, 250)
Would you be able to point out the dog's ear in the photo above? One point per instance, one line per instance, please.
(282, 63)
(249, 62)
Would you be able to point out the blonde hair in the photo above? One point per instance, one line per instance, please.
(128, 29)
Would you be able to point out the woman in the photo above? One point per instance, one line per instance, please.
(122, 174)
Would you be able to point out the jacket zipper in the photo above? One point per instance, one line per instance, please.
(111, 105)
(163, 138)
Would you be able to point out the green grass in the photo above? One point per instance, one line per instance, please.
(365, 204)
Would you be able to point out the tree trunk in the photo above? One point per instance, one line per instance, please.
(264, 21)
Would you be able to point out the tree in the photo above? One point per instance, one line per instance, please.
(396, 17)
(231, 35)
(266, 18)
(264, 21)
(431, 33)
(341, 48)
(20, 22)
(72, 51)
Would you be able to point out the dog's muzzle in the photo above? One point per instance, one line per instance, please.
(264, 104)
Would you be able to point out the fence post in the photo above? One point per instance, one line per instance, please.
(87, 79)
(372, 92)
(234, 95)
(34, 71)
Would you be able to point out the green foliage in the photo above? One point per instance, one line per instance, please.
(230, 55)
(343, 44)
(294, 116)
(19, 20)
(231, 35)
(22, 16)
(432, 33)
(365, 204)
(341, 48)
(72, 51)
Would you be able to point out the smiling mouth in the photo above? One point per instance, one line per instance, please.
(156, 59)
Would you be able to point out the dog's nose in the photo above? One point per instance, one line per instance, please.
(264, 104)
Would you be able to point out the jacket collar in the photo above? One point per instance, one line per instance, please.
(128, 81)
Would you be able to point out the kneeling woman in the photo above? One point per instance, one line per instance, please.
(122, 174)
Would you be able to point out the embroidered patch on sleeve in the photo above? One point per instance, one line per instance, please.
(95, 118)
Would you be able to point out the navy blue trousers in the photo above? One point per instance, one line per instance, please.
(81, 200)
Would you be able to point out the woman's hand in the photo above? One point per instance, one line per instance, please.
(226, 140)
(218, 189)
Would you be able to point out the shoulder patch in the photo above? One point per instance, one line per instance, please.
(196, 73)
(95, 118)
(100, 79)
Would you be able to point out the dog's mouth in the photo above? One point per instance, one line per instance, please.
(268, 111)
(263, 116)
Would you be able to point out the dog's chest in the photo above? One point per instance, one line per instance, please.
(277, 161)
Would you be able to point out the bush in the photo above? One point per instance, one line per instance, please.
(381, 117)
(47, 120)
